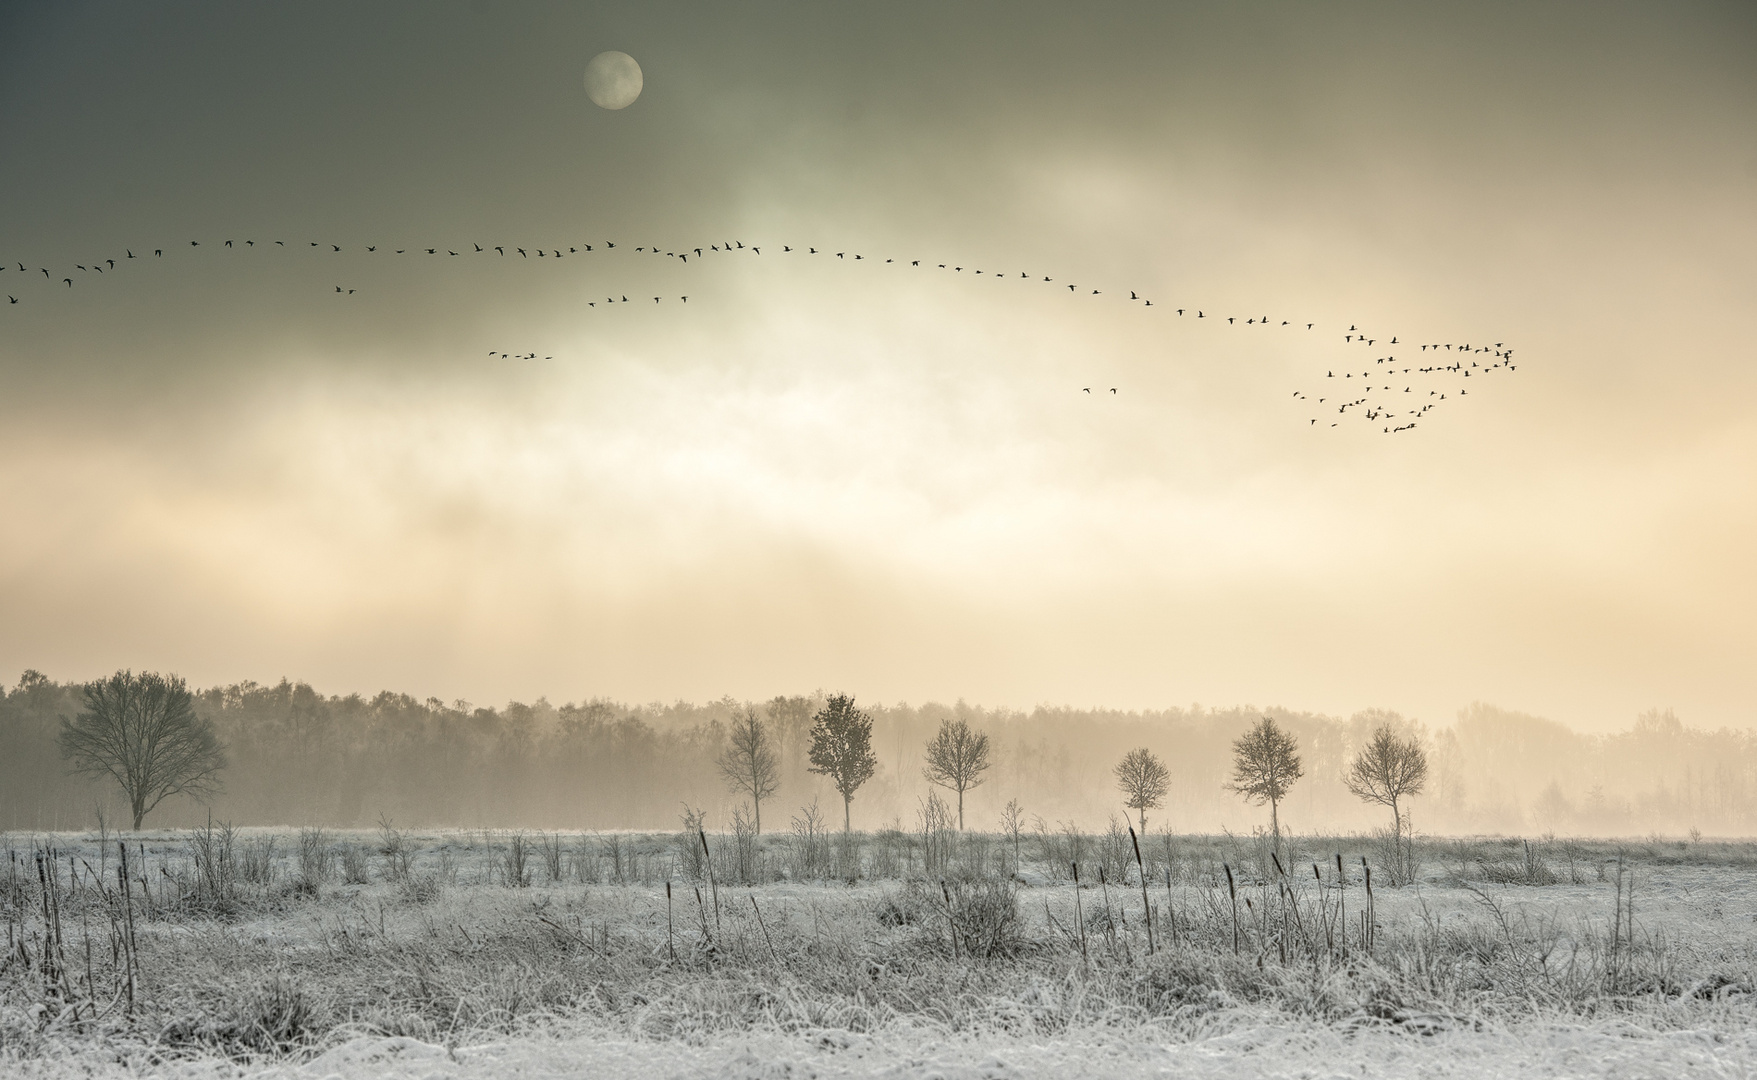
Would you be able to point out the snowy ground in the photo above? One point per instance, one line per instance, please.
(454, 974)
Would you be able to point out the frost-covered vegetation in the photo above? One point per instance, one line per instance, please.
(926, 952)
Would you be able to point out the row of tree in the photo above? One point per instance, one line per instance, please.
(142, 732)
(1388, 770)
(295, 756)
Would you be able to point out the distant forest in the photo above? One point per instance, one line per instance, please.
(300, 758)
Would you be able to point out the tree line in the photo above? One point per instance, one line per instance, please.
(285, 754)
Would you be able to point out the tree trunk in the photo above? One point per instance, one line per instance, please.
(1275, 823)
(960, 809)
(847, 814)
(1397, 840)
(1143, 811)
(139, 810)
(758, 803)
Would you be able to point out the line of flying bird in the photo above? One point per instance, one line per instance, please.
(1435, 361)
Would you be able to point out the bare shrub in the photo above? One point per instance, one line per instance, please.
(317, 859)
(618, 856)
(689, 843)
(256, 861)
(583, 861)
(891, 854)
(1116, 853)
(983, 912)
(938, 836)
(355, 870)
(849, 865)
(214, 854)
(515, 866)
(397, 851)
(553, 871)
(1012, 826)
(744, 846)
(810, 847)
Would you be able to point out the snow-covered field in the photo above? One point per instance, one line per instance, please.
(435, 962)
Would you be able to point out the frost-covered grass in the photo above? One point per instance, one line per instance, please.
(396, 954)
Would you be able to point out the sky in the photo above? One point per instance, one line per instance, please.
(863, 475)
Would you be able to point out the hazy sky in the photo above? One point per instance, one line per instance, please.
(865, 476)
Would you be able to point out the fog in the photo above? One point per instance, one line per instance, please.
(298, 757)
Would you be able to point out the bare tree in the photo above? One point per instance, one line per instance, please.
(1144, 780)
(956, 759)
(749, 763)
(1386, 771)
(841, 749)
(142, 731)
(1265, 764)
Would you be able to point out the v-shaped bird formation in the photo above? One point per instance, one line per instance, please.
(1394, 385)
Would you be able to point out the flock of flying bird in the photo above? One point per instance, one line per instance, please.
(1439, 368)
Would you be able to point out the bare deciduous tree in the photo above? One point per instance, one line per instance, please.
(956, 759)
(142, 731)
(841, 749)
(749, 763)
(1144, 780)
(1386, 771)
(1265, 764)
